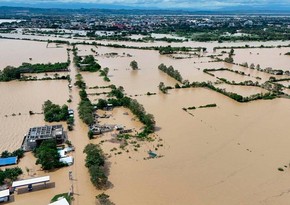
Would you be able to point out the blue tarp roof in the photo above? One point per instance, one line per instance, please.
(8, 161)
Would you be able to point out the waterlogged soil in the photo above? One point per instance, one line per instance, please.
(230, 76)
(265, 57)
(242, 90)
(15, 52)
(229, 154)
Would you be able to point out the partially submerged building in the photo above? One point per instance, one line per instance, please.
(36, 135)
(4, 195)
(100, 129)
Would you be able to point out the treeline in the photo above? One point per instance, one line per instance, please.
(86, 63)
(85, 107)
(136, 108)
(54, 113)
(19, 153)
(43, 68)
(13, 73)
(163, 50)
(104, 73)
(207, 71)
(48, 156)
(235, 96)
(157, 48)
(171, 72)
(56, 77)
(9, 174)
(202, 106)
(95, 162)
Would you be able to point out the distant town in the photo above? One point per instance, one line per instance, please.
(121, 24)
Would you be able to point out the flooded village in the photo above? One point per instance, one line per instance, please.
(209, 128)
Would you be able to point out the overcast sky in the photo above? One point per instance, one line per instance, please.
(193, 4)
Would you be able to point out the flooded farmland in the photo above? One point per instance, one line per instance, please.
(16, 52)
(228, 154)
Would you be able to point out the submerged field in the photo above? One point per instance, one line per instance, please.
(228, 154)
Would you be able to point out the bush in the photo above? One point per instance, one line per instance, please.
(91, 134)
(104, 199)
(134, 65)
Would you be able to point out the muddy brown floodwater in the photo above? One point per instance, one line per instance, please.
(229, 154)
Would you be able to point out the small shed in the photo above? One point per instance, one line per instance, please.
(8, 161)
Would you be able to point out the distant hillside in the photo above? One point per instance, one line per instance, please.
(100, 9)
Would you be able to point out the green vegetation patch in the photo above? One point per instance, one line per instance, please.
(13, 73)
(19, 153)
(85, 63)
(54, 113)
(48, 156)
(9, 174)
(95, 161)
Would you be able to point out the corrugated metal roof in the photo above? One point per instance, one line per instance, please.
(30, 181)
(4, 193)
(8, 161)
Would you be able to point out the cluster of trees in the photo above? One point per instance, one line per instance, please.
(19, 153)
(9, 174)
(86, 63)
(163, 50)
(54, 113)
(95, 161)
(80, 82)
(135, 107)
(86, 108)
(171, 72)
(47, 155)
(43, 68)
(162, 87)
(13, 73)
(104, 72)
(10, 73)
(205, 34)
(56, 77)
(104, 199)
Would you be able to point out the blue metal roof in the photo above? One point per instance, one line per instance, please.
(8, 161)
